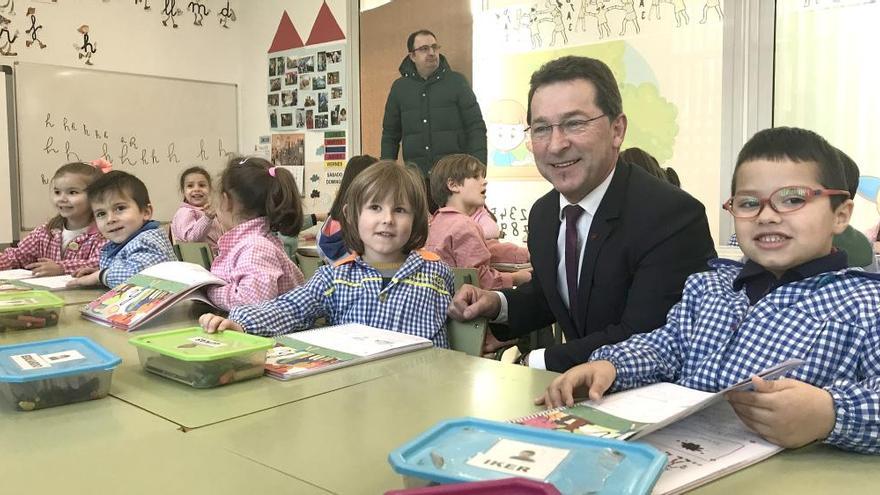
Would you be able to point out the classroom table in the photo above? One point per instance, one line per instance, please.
(194, 408)
(352, 430)
(108, 446)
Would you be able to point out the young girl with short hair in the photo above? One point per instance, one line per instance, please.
(256, 200)
(195, 219)
(388, 282)
(70, 240)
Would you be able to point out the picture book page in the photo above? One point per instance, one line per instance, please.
(182, 272)
(360, 340)
(705, 446)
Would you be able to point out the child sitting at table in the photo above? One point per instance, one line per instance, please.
(795, 297)
(69, 241)
(256, 200)
(123, 213)
(388, 282)
(458, 185)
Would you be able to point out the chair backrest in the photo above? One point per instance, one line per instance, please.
(307, 264)
(194, 252)
(466, 336)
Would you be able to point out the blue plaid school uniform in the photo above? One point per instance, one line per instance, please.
(148, 248)
(714, 338)
(414, 301)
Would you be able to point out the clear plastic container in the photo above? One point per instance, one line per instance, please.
(37, 375)
(203, 360)
(21, 310)
(470, 449)
(507, 486)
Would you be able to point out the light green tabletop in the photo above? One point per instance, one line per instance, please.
(352, 431)
(193, 408)
(69, 296)
(108, 446)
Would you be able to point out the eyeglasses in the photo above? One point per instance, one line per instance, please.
(426, 48)
(571, 127)
(783, 200)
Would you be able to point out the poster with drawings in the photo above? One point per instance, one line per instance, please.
(306, 88)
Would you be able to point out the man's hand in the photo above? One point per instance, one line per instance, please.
(471, 302)
(595, 376)
(212, 323)
(45, 267)
(787, 412)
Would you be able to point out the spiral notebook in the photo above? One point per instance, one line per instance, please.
(327, 348)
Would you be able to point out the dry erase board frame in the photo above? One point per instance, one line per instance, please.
(8, 179)
(151, 126)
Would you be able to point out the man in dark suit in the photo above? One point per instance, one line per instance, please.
(624, 241)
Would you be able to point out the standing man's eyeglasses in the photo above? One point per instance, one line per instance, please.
(426, 48)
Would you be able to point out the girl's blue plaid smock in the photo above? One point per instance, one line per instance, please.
(350, 291)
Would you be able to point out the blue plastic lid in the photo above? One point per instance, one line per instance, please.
(470, 449)
(31, 361)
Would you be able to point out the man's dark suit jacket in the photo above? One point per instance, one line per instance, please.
(646, 238)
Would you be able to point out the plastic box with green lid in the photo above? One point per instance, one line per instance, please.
(47, 373)
(21, 310)
(203, 360)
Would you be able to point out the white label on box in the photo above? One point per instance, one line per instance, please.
(206, 341)
(60, 357)
(30, 362)
(527, 460)
(17, 303)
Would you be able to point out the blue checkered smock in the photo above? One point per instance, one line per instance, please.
(350, 291)
(713, 338)
(148, 248)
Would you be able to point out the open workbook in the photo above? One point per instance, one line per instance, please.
(26, 278)
(149, 293)
(698, 430)
(326, 348)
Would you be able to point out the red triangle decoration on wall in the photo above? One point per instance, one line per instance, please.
(286, 36)
(325, 28)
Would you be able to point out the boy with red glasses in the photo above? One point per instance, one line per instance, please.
(794, 298)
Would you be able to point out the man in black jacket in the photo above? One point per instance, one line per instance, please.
(431, 109)
(610, 245)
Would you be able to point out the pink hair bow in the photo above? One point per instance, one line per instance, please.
(102, 164)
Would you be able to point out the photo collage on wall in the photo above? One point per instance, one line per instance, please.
(306, 89)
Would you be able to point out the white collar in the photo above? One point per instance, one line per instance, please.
(590, 202)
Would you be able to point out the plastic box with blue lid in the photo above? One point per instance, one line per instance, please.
(21, 310)
(37, 375)
(507, 486)
(203, 360)
(470, 449)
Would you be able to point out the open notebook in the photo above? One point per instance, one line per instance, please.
(149, 293)
(698, 430)
(327, 348)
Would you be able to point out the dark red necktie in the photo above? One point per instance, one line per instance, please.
(572, 254)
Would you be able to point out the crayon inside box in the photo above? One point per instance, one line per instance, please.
(48, 373)
(22, 310)
(203, 360)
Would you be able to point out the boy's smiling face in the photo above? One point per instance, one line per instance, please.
(779, 242)
(118, 216)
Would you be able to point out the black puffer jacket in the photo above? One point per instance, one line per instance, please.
(433, 118)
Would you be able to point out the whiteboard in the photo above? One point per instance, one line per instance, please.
(153, 127)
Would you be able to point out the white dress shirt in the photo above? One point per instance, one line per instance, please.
(590, 203)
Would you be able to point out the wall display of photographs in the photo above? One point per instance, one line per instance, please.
(306, 89)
